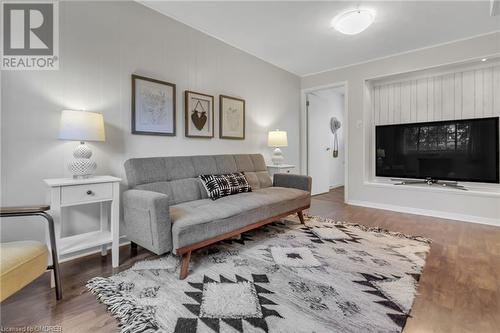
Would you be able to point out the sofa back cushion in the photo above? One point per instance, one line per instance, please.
(258, 179)
(177, 176)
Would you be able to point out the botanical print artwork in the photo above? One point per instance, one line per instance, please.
(199, 115)
(324, 276)
(153, 106)
(153, 102)
(232, 118)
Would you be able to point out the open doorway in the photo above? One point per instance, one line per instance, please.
(326, 137)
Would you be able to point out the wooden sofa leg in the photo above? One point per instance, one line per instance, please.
(185, 265)
(301, 217)
(133, 248)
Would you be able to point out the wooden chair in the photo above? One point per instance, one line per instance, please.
(24, 261)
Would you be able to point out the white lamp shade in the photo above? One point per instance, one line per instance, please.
(81, 126)
(277, 139)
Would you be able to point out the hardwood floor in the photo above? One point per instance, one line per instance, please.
(459, 289)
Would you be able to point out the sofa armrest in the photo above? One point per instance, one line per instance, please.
(292, 181)
(147, 220)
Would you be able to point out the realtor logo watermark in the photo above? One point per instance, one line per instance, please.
(30, 35)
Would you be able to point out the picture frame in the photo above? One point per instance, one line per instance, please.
(153, 106)
(198, 115)
(231, 118)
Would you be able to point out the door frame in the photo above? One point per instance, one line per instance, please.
(304, 131)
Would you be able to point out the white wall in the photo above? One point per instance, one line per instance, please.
(477, 205)
(101, 45)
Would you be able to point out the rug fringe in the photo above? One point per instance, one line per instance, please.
(133, 318)
(372, 229)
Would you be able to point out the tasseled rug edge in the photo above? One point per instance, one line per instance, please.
(133, 318)
(369, 229)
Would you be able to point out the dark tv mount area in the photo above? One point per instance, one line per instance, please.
(431, 182)
(439, 153)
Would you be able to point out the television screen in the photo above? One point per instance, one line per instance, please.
(458, 150)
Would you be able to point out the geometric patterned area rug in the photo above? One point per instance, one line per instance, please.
(324, 276)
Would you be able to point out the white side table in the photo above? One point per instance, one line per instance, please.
(280, 168)
(66, 192)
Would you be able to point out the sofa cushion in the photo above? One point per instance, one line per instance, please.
(178, 191)
(258, 179)
(225, 164)
(173, 175)
(160, 169)
(218, 186)
(198, 220)
(205, 165)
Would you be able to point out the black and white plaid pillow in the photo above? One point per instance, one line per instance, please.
(219, 186)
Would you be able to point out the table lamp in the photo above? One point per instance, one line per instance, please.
(82, 126)
(277, 139)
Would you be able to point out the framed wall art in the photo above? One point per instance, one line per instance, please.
(231, 118)
(153, 106)
(198, 115)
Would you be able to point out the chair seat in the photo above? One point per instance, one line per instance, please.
(195, 221)
(24, 209)
(20, 263)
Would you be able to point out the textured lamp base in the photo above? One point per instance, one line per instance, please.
(82, 166)
(277, 156)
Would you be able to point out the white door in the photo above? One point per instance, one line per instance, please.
(319, 143)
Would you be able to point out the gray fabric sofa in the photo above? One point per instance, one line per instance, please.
(167, 207)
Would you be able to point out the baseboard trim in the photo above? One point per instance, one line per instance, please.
(427, 212)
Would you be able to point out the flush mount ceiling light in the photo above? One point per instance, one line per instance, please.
(353, 21)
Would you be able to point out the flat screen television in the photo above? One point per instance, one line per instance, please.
(458, 150)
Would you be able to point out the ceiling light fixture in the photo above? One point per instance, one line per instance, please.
(353, 21)
(484, 59)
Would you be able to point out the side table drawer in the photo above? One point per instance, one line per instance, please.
(86, 193)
